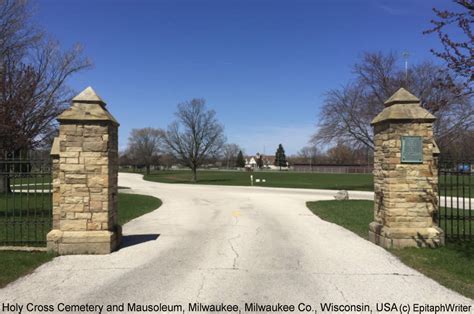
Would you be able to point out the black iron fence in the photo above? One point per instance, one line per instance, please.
(25, 198)
(456, 204)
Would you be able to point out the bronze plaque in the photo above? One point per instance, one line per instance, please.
(412, 149)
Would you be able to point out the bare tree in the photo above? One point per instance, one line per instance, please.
(167, 160)
(309, 154)
(348, 111)
(33, 75)
(195, 136)
(461, 148)
(340, 154)
(16, 32)
(125, 159)
(346, 118)
(144, 146)
(456, 36)
(230, 152)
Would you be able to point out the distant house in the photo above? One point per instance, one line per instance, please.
(251, 162)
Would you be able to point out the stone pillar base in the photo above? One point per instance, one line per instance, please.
(405, 237)
(83, 242)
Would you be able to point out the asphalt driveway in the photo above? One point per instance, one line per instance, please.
(215, 244)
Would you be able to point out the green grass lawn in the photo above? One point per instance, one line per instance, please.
(354, 215)
(452, 265)
(131, 206)
(449, 185)
(284, 179)
(16, 264)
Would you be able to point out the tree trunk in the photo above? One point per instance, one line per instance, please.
(5, 185)
(147, 169)
(194, 175)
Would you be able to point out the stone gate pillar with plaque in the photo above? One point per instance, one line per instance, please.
(405, 175)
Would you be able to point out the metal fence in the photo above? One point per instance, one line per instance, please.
(456, 190)
(25, 198)
(332, 168)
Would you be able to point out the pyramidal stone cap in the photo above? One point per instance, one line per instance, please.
(403, 106)
(87, 106)
(402, 96)
(88, 96)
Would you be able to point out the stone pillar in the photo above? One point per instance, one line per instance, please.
(85, 179)
(405, 175)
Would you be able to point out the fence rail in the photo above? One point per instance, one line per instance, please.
(456, 190)
(25, 198)
(332, 169)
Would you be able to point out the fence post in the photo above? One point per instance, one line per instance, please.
(405, 175)
(55, 184)
(85, 179)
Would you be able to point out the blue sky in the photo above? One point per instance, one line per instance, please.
(263, 65)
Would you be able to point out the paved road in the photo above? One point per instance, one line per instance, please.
(232, 245)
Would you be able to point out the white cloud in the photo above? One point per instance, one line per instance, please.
(390, 9)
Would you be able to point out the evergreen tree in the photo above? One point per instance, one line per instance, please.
(240, 162)
(280, 157)
(259, 161)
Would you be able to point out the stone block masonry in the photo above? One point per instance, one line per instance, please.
(85, 173)
(406, 196)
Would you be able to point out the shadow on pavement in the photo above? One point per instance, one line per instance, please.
(135, 239)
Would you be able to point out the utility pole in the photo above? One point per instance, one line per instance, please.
(405, 55)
